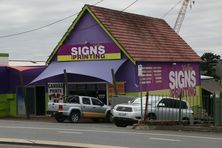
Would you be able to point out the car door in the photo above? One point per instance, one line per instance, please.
(87, 107)
(99, 109)
(71, 101)
(165, 110)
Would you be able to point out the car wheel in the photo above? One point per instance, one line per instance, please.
(60, 118)
(74, 117)
(120, 124)
(186, 121)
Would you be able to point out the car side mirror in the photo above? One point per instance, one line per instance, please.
(161, 105)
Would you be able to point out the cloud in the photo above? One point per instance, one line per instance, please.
(201, 28)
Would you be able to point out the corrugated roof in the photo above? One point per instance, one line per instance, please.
(145, 38)
(211, 85)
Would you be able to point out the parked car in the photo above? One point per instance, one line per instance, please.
(158, 108)
(76, 107)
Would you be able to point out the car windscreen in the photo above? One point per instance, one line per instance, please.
(138, 101)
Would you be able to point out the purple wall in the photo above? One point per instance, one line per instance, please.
(10, 78)
(127, 73)
(87, 30)
(176, 77)
(4, 78)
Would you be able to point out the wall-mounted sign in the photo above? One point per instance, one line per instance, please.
(140, 70)
(80, 52)
(180, 79)
(55, 92)
(183, 81)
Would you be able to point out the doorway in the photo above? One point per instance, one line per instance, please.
(40, 100)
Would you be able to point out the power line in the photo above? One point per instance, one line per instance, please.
(130, 5)
(50, 24)
(62, 20)
(44, 26)
(93, 25)
(163, 16)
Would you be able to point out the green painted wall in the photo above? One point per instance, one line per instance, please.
(7, 105)
(4, 55)
(194, 101)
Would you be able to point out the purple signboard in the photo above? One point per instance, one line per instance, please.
(177, 77)
(88, 51)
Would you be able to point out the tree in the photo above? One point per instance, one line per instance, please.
(208, 66)
(219, 70)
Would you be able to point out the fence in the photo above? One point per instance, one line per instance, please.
(202, 110)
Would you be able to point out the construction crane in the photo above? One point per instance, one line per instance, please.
(181, 15)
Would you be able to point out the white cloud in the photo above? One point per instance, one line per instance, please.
(201, 28)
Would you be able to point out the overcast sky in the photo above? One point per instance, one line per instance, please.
(201, 29)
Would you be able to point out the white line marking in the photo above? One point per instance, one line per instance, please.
(55, 143)
(164, 139)
(114, 132)
(66, 132)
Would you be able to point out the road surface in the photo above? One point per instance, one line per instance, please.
(106, 134)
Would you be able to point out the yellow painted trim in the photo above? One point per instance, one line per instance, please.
(113, 56)
(194, 101)
(108, 56)
(94, 115)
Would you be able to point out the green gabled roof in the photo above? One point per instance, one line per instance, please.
(84, 9)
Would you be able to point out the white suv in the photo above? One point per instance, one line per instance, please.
(159, 108)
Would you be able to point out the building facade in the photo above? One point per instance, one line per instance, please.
(142, 54)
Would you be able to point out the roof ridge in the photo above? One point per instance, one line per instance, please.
(128, 13)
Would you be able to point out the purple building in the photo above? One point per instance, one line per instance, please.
(101, 39)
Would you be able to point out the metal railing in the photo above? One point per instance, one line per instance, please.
(205, 109)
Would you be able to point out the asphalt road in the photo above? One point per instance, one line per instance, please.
(107, 134)
(21, 146)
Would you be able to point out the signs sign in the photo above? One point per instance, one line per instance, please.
(179, 78)
(80, 52)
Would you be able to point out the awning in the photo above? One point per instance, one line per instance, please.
(211, 85)
(97, 69)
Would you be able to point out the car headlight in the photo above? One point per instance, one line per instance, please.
(115, 107)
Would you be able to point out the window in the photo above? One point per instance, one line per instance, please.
(166, 102)
(96, 102)
(183, 105)
(86, 101)
(74, 99)
(172, 103)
